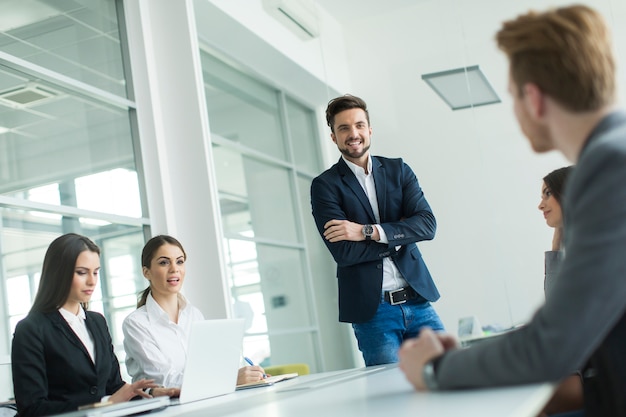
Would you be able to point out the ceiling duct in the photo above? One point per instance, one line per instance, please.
(300, 16)
(27, 95)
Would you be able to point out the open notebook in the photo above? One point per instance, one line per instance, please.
(270, 380)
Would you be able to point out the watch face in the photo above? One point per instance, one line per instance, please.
(368, 229)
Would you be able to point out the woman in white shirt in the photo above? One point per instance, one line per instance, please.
(157, 333)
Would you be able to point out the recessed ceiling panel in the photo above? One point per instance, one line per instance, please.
(462, 88)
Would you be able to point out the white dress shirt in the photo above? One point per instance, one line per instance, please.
(77, 323)
(392, 278)
(156, 347)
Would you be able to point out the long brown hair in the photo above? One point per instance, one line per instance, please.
(57, 272)
(555, 181)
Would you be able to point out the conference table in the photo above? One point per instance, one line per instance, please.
(371, 391)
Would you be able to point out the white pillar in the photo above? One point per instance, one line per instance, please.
(175, 142)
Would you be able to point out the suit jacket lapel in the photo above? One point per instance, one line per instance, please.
(350, 180)
(59, 322)
(98, 340)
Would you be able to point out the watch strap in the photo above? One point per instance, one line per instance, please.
(368, 231)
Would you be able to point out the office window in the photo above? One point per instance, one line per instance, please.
(67, 161)
(79, 39)
(243, 110)
(263, 141)
(305, 140)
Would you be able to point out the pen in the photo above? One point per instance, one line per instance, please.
(252, 364)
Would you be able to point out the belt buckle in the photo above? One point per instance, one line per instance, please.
(391, 299)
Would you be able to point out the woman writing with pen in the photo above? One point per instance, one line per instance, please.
(156, 334)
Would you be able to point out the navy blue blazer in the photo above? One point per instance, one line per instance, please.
(52, 370)
(405, 216)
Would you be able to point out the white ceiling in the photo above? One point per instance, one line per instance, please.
(350, 10)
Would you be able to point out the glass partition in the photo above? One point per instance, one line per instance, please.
(242, 109)
(261, 139)
(79, 39)
(303, 131)
(67, 161)
(25, 236)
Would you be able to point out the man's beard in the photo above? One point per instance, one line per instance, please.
(354, 154)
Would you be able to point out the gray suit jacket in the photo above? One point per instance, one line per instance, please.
(588, 300)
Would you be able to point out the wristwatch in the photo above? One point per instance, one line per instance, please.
(368, 230)
(428, 375)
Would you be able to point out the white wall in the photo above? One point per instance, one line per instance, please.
(477, 170)
(324, 57)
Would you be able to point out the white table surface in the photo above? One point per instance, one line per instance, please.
(378, 392)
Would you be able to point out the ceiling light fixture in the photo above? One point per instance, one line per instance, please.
(462, 88)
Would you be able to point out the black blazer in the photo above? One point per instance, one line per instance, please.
(52, 370)
(405, 216)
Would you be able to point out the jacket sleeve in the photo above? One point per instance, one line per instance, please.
(327, 204)
(405, 214)
(588, 296)
(412, 220)
(30, 377)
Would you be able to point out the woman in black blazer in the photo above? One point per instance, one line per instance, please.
(62, 355)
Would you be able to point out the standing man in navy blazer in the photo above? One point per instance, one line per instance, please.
(371, 211)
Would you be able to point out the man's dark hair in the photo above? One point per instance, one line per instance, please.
(345, 102)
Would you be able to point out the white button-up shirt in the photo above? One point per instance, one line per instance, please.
(156, 347)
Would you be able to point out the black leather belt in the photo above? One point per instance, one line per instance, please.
(400, 296)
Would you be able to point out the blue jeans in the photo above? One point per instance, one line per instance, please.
(380, 338)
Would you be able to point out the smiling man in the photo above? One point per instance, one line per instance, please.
(562, 81)
(370, 212)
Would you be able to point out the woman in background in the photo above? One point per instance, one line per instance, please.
(569, 393)
(550, 205)
(62, 356)
(156, 334)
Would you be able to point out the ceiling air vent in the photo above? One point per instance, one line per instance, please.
(300, 16)
(27, 95)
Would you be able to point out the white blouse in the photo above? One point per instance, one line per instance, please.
(156, 347)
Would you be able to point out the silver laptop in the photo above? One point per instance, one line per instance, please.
(213, 357)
